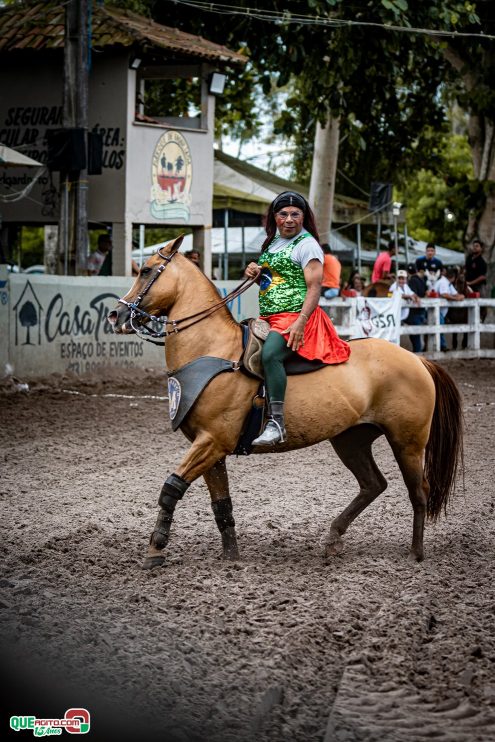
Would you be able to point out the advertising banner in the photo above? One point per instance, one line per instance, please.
(378, 318)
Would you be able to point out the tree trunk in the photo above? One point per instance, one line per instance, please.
(51, 252)
(323, 174)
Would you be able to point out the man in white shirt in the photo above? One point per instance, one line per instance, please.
(445, 289)
(407, 293)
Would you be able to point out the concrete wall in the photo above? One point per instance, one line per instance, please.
(51, 324)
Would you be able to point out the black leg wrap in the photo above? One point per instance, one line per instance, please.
(222, 510)
(171, 493)
(172, 490)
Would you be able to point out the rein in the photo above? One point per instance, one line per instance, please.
(145, 333)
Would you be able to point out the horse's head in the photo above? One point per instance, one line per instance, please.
(151, 293)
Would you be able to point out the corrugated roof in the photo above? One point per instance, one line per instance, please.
(255, 188)
(40, 25)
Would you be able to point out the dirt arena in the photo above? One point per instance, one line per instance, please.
(278, 646)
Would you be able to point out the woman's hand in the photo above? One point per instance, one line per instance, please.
(296, 333)
(252, 270)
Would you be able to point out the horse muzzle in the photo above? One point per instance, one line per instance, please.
(119, 319)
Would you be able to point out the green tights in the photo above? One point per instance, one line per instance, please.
(275, 352)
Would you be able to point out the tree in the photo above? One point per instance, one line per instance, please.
(369, 68)
(28, 318)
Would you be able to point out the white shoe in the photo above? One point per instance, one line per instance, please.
(272, 434)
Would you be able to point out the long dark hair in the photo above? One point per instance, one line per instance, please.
(309, 224)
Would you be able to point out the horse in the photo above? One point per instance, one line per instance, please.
(379, 289)
(372, 394)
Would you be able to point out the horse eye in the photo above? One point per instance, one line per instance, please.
(144, 271)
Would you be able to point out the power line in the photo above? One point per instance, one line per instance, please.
(288, 18)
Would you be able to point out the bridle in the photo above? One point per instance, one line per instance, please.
(176, 326)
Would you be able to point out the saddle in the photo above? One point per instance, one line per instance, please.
(255, 333)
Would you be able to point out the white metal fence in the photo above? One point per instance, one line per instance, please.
(480, 334)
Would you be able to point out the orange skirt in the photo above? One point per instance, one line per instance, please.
(320, 337)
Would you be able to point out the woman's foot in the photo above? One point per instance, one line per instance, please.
(272, 434)
(274, 431)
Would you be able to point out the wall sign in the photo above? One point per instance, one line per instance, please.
(171, 176)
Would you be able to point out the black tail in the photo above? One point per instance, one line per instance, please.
(445, 449)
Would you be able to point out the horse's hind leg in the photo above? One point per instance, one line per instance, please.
(218, 485)
(410, 460)
(353, 447)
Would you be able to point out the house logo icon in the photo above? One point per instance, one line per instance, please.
(28, 312)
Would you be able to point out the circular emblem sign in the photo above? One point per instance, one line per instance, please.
(171, 178)
(174, 392)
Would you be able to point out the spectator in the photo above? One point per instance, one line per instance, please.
(446, 290)
(382, 268)
(357, 284)
(332, 269)
(417, 314)
(401, 286)
(431, 265)
(100, 261)
(476, 271)
(194, 257)
(459, 315)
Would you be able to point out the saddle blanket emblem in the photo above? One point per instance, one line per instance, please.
(174, 393)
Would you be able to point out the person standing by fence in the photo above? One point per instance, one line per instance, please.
(446, 290)
(417, 314)
(332, 269)
(382, 268)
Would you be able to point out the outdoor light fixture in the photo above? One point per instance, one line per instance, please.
(396, 207)
(135, 63)
(449, 215)
(217, 83)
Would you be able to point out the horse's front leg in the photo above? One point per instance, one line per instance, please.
(201, 457)
(218, 485)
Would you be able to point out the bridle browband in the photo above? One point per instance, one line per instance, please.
(145, 333)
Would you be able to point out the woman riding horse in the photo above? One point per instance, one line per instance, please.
(289, 271)
(349, 404)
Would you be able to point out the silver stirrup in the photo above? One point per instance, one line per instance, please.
(273, 433)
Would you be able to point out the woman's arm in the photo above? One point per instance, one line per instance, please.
(313, 274)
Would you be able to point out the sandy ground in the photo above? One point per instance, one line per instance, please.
(278, 646)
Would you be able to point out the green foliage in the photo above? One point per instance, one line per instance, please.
(32, 242)
(448, 185)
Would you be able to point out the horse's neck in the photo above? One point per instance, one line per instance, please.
(215, 335)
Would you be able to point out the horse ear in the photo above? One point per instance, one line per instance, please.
(172, 246)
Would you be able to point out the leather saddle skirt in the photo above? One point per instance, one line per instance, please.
(255, 333)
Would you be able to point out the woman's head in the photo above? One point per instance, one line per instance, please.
(289, 213)
(357, 282)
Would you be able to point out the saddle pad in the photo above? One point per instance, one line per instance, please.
(186, 384)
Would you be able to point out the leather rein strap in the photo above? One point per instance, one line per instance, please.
(176, 325)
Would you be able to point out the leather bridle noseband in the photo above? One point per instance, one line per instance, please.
(145, 333)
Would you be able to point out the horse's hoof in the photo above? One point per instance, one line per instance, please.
(231, 555)
(153, 561)
(415, 558)
(334, 548)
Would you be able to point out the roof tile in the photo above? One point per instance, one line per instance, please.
(40, 25)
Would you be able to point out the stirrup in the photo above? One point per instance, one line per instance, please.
(272, 434)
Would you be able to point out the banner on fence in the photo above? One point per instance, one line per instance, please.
(378, 318)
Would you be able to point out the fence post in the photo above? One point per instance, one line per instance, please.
(474, 326)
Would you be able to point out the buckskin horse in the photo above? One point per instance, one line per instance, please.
(374, 393)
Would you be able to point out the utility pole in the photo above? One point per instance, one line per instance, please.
(73, 229)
